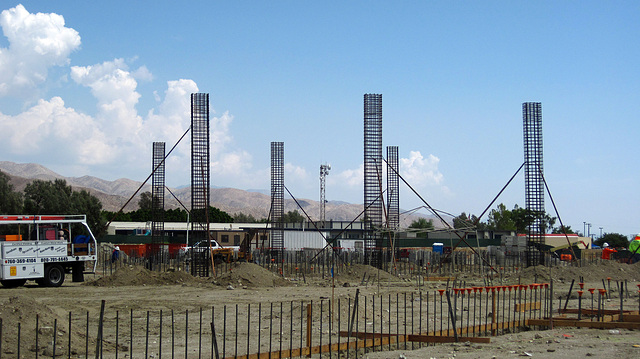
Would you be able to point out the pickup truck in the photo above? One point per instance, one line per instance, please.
(220, 253)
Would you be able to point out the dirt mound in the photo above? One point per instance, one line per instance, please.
(250, 275)
(591, 273)
(358, 272)
(26, 311)
(136, 275)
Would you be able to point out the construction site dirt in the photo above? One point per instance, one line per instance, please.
(134, 312)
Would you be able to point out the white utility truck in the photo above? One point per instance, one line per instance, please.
(44, 248)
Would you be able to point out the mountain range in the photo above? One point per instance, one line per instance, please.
(114, 194)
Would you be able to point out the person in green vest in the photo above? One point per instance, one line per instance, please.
(634, 248)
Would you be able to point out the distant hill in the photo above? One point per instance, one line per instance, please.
(114, 194)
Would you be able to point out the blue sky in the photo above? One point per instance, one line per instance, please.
(86, 87)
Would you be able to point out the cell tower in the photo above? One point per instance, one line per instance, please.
(157, 202)
(277, 196)
(200, 177)
(393, 188)
(373, 175)
(533, 178)
(324, 172)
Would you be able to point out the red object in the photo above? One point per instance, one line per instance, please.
(580, 293)
(441, 291)
(606, 253)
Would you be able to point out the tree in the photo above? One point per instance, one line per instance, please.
(500, 219)
(247, 218)
(562, 230)
(462, 221)
(10, 201)
(46, 197)
(422, 226)
(615, 240)
(83, 202)
(519, 219)
(293, 217)
(146, 201)
(171, 215)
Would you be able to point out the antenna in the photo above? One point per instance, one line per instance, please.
(324, 172)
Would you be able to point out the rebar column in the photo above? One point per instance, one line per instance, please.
(200, 179)
(534, 184)
(157, 204)
(373, 177)
(277, 196)
(393, 188)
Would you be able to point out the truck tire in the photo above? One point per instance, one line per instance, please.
(13, 283)
(53, 276)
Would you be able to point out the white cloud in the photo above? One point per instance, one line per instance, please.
(142, 73)
(420, 171)
(231, 164)
(37, 42)
(220, 128)
(115, 89)
(116, 139)
(173, 117)
(351, 178)
(51, 128)
(293, 173)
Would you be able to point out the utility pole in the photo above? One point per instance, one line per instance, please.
(324, 172)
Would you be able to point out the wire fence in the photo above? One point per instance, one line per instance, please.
(406, 263)
(341, 327)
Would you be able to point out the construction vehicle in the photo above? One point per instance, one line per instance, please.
(45, 248)
(565, 253)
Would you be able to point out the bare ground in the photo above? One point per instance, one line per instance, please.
(136, 289)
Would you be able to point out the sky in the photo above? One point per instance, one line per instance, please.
(87, 87)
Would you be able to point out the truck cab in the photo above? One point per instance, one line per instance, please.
(44, 248)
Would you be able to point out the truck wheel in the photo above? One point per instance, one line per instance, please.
(13, 283)
(53, 276)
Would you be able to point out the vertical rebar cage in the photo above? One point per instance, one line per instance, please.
(277, 196)
(200, 177)
(373, 173)
(393, 188)
(533, 177)
(157, 200)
